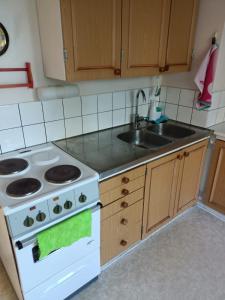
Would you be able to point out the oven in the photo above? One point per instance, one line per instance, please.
(63, 271)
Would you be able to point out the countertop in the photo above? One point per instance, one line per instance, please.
(219, 131)
(108, 155)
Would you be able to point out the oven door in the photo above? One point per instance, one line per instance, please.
(33, 272)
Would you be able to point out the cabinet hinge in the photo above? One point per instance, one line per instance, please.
(122, 55)
(65, 55)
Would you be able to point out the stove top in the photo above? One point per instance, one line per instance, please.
(38, 173)
(12, 166)
(62, 174)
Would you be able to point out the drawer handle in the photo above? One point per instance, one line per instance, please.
(179, 156)
(186, 154)
(125, 192)
(124, 221)
(125, 180)
(124, 204)
(123, 243)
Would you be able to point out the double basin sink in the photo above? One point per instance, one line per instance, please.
(155, 136)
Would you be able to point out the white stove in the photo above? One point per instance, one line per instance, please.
(40, 187)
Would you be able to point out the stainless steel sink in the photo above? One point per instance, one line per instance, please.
(143, 138)
(171, 130)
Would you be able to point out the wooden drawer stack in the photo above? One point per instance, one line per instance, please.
(121, 215)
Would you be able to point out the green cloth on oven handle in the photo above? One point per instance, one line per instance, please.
(65, 233)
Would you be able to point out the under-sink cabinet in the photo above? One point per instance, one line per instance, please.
(215, 188)
(100, 39)
(139, 201)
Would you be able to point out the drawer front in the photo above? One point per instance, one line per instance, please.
(122, 179)
(111, 247)
(122, 191)
(121, 204)
(120, 231)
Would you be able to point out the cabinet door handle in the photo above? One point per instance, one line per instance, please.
(186, 154)
(124, 192)
(124, 204)
(180, 156)
(117, 71)
(164, 69)
(124, 221)
(125, 180)
(123, 243)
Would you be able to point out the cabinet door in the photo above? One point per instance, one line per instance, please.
(181, 35)
(160, 192)
(189, 177)
(216, 177)
(92, 38)
(145, 26)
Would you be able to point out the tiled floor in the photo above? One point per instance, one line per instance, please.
(185, 261)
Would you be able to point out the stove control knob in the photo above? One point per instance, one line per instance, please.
(40, 216)
(82, 198)
(28, 222)
(68, 204)
(57, 209)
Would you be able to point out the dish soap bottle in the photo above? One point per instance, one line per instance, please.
(155, 111)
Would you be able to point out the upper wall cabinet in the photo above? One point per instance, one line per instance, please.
(99, 39)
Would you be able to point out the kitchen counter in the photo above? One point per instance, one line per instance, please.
(219, 131)
(104, 152)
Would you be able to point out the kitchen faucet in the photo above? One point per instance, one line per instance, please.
(138, 119)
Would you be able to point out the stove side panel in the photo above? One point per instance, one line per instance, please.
(7, 256)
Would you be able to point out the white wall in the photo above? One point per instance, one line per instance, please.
(211, 19)
(20, 20)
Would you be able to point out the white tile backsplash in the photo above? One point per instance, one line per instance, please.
(105, 120)
(34, 134)
(184, 114)
(72, 107)
(119, 100)
(55, 130)
(73, 126)
(53, 110)
(75, 116)
(89, 105)
(9, 116)
(171, 111)
(187, 97)
(173, 95)
(31, 113)
(104, 102)
(119, 117)
(11, 139)
(90, 123)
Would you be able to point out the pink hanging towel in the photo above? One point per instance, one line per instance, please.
(204, 78)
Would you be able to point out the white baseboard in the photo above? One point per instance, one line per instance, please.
(211, 211)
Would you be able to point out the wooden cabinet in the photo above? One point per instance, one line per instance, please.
(97, 39)
(192, 159)
(145, 25)
(160, 192)
(180, 35)
(215, 191)
(121, 215)
(171, 185)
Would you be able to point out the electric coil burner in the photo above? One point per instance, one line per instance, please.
(23, 187)
(12, 166)
(62, 174)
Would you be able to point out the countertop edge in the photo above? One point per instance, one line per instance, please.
(146, 160)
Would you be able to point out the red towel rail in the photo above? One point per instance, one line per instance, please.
(29, 82)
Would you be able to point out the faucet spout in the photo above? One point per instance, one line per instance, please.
(137, 118)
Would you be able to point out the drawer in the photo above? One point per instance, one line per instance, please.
(120, 231)
(121, 204)
(113, 246)
(122, 190)
(122, 179)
